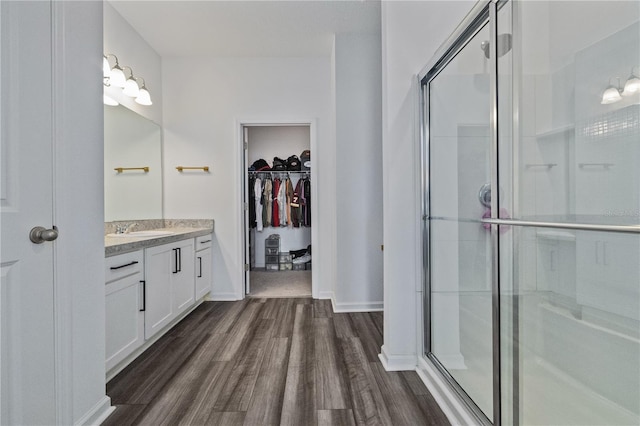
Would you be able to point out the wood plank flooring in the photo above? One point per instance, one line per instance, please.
(270, 362)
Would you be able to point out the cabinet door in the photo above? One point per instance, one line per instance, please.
(183, 276)
(203, 272)
(124, 318)
(158, 266)
(609, 282)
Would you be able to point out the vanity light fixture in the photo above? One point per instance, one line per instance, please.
(115, 77)
(116, 74)
(611, 94)
(106, 68)
(131, 85)
(632, 85)
(144, 98)
(108, 100)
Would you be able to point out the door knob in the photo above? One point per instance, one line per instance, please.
(39, 235)
(484, 195)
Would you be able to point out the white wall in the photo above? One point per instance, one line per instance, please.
(132, 50)
(205, 100)
(267, 142)
(358, 97)
(411, 33)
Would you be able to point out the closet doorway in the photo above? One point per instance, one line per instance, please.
(279, 209)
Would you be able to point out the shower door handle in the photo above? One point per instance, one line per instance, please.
(484, 195)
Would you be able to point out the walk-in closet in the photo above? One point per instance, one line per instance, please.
(278, 215)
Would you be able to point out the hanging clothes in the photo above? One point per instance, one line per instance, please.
(289, 193)
(296, 206)
(267, 188)
(257, 192)
(252, 202)
(307, 197)
(303, 204)
(275, 217)
(282, 202)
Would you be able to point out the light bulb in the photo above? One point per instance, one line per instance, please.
(143, 97)
(631, 86)
(611, 95)
(117, 78)
(108, 100)
(131, 88)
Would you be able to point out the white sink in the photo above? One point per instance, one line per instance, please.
(141, 234)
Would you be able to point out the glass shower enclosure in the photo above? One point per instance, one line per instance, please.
(531, 194)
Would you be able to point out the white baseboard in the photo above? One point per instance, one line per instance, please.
(342, 307)
(98, 413)
(325, 295)
(225, 297)
(452, 406)
(397, 362)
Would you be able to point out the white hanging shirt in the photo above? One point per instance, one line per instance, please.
(257, 190)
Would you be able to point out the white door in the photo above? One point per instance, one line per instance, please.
(26, 269)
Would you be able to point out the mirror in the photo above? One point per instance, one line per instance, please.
(131, 142)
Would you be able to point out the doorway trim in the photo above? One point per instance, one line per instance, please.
(242, 189)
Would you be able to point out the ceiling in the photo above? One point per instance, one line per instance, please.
(247, 28)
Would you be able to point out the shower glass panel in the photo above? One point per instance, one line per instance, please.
(460, 246)
(578, 333)
(577, 155)
(569, 154)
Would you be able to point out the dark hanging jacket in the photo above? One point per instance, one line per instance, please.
(307, 197)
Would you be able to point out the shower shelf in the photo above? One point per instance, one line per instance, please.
(548, 166)
(557, 131)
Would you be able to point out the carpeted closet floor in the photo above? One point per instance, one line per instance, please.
(267, 284)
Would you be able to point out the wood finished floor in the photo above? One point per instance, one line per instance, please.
(270, 362)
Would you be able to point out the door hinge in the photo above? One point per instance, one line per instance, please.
(246, 206)
(246, 267)
(246, 146)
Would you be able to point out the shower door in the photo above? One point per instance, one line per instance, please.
(460, 261)
(531, 143)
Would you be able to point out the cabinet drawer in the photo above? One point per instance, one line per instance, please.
(123, 265)
(203, 242)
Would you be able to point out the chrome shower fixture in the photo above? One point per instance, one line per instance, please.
(504, 45)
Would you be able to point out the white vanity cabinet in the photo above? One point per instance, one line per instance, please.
(203, 266)
(608, 280)
(124, 306)
(170, 285)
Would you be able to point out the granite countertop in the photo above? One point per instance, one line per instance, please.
(119, 245)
